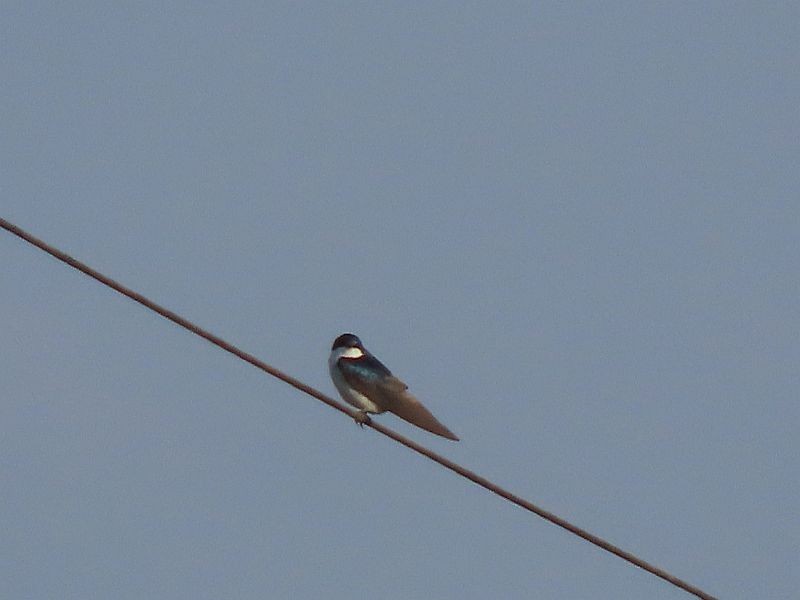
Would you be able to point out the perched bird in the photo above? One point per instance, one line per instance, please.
(364, 382)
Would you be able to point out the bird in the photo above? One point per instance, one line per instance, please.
(365, 383)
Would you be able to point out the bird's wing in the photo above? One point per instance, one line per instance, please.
(368, 376)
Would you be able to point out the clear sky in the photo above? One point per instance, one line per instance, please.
(572, 229)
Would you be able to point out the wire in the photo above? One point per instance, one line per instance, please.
(445, 462)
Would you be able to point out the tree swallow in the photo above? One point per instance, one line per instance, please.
(364, 382)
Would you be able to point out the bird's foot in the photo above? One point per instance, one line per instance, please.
(362, 418)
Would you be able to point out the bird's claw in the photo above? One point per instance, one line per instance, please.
(362, 418)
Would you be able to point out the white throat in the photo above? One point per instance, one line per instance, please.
(346, 353)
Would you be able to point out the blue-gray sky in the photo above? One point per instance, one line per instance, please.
(573, 230)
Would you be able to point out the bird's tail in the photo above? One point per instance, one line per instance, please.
(410, 409)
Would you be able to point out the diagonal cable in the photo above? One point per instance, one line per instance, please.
(445, 462)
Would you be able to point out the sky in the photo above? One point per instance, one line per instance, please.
(571, 228)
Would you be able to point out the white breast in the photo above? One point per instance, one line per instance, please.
(351, 396)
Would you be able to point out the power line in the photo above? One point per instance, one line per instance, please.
(447, 463)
